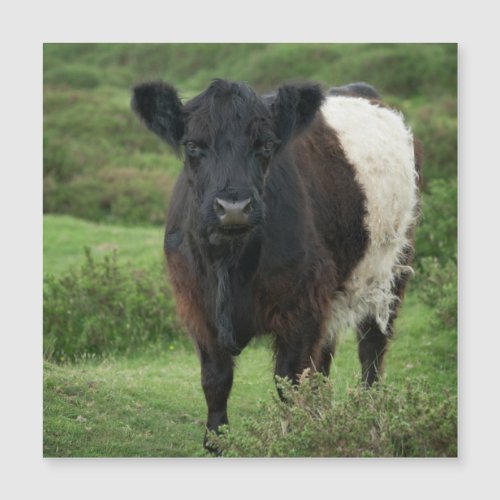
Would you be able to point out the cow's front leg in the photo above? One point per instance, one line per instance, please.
(288, 360)
(216, 380)
(305, 348)
(324, 352)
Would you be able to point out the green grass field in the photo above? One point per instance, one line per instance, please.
(150, 402)
(65, 237)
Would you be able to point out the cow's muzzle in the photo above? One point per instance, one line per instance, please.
(234, 216)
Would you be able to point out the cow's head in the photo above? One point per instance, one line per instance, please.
(230, 138)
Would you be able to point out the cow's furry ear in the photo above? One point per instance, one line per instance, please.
(159, 107)
(294, 108)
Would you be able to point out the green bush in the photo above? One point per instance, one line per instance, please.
(436, 252)
(437, 233)
(437, 287)
(73, 75)
(435, 125)
(405, 70)
(401, 69)
(317, 421)
(105, 308)
(125, 195)
(57, 162)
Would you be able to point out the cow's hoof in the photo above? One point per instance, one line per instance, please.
(213, 450)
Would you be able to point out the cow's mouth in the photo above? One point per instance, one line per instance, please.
(234, 229)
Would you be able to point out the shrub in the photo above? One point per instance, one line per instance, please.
(436, 252)
(126, 195)
(437, 287)
(104, 308)
(404, 69)
(435, 125)
(317, 421)
(56, 161)
(73, 75)
(437, 232)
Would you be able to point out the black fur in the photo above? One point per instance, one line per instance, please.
(159, 107)
(294, 108)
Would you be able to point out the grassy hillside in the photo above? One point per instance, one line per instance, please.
(401, 69)
(101, 164)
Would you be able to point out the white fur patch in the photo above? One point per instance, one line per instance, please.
(379, 145)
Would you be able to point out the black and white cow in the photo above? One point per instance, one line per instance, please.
(293, 216)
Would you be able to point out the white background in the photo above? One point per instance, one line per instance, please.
(24, 28)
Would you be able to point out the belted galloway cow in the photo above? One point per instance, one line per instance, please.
(293, 216)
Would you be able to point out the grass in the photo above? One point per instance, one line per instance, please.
(150, 403)
(407, 69)
(65, 237)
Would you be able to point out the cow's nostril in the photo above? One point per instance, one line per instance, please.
(219, 207)
(248, 207)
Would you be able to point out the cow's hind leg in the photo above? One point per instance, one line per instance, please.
(372, 342)
(372, 346)
(216, 380)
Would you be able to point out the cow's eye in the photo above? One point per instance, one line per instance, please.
(192, 149)
(267, 148)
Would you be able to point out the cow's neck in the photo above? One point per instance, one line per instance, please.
(233, 274)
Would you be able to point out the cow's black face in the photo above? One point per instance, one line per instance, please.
(227, 180)
(230, 138)
(229, 144)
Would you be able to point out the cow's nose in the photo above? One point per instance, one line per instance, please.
(233, 213)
